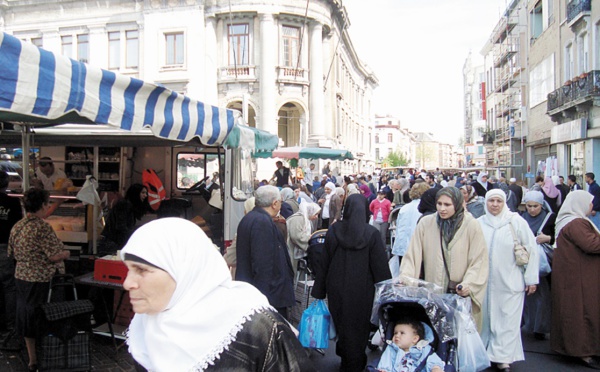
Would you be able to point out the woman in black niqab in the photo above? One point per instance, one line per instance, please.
(353, 260)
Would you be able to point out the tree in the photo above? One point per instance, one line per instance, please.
(396, 159)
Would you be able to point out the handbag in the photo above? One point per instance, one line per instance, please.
(545, 251)
(315, 325)
(521, 254)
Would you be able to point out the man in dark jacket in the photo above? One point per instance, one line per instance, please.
(516, 189)
(262, 254)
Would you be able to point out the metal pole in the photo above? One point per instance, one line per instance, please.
(25, 133)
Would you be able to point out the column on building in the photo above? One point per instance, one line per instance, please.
(210, 61)
(268, 39)
(316, 102)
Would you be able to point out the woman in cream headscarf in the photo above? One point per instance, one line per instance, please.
(331, 206)
(474, 204)
(190, 315)
(300, 227)
(507, 283)
(576, 282)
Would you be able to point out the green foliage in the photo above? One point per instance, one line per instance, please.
(396, 159)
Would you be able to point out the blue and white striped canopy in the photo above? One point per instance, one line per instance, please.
(40, 88)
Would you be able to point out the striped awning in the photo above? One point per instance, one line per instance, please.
(307, 153)
(38, 87)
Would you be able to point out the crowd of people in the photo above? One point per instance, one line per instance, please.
(476, 236)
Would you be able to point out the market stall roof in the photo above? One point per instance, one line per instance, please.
(307, 153)
(40, 88)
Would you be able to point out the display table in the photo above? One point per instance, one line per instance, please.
(109, 329)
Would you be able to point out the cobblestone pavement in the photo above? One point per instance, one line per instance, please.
(103, 357)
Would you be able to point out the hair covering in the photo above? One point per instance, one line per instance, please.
(287, 193)
(308, 210)
(577, 205)
(550, 189)
(512, 180)
(330, 185)
(133, 196)
(505, 214)
(340, 191)
(480, 180)
(471, 192)
(351, 230)
(249, 204)
(449, 226)
(427, 203)
(366, 190)
(206, 310)
(352, 189)
(404, 185)
(504, 187)
(555, 180)
(535, 222)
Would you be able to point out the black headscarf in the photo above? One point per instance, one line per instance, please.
(449, 226)
(140, 208)
(351, 230)
(427, 203)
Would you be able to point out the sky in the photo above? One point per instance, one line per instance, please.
(417, 50)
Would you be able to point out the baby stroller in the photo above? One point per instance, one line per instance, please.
(425, 302)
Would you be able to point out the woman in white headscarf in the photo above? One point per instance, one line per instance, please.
(576, 282)
(190, 315)
(482, 186)
(507, 283)
(474, 203)
(331, 206)
(300, 227)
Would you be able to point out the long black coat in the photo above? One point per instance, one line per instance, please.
(263, 259)
(348, 277)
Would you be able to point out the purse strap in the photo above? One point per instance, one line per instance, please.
(544, 222)
(514, 235)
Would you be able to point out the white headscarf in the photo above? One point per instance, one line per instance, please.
(480, 180)
(331, 186)
(353, 189)
(206, 310)
(576, 205)
(308, 210)
(505, 214)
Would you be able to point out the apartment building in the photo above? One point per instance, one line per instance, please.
(291, 68)
(391, 137)
(475, 113)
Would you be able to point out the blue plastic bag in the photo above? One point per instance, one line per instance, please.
(543, 251)
(314, 326)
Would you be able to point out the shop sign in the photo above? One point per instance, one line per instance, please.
(570, 131)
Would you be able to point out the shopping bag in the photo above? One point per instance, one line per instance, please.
(314, 326)
(544, 262)
(472, 355)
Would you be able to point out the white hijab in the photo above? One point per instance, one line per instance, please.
(207, 309)
(505, 215)
(480, 181)
(576, 205)
(308, 210)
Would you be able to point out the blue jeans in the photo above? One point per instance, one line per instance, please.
(596, 219)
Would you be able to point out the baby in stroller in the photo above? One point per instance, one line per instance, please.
(410, 349)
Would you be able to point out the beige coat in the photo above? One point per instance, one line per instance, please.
(467, 258)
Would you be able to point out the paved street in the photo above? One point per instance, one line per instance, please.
(538, 356)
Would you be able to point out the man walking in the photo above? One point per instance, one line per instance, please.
(572, 182)
(594, 189)
(262, 254)
(282, 174)
(516, 189)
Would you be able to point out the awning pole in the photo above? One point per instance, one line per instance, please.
(25, 133)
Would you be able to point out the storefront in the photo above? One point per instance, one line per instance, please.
(574, 150)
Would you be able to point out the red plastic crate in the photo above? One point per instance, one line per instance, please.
(111, 271)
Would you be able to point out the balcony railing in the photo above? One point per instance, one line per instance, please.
(292, 74)
(239, 72)
(581, 88)
(576, 7)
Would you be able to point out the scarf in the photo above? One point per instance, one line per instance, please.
(352, 189)
(351, 230)
(449, 226)
(286, 194)
(471, 192)
(331, 186)
(427, 204)
(505, 215)
(576, 205)
(366, 190)
(206, 310)
(480, 180)
(550, 189)
(535, 223)
(307, 210)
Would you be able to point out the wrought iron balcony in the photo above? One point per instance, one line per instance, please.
(577, 8)
(582, 88)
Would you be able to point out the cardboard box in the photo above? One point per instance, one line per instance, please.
(112, 271)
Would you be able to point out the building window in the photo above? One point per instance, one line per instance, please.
(377, 154)
(541, 81)
(83, 48)
(239, 44)
(174, 48)
(569, 64)
(37, 41)
(537, 20)
(390, 137)
(291, 43)
(114, 50)
(132, 49)
(67, 46)
(377, 138)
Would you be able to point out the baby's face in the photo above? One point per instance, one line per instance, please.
(405, 336)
